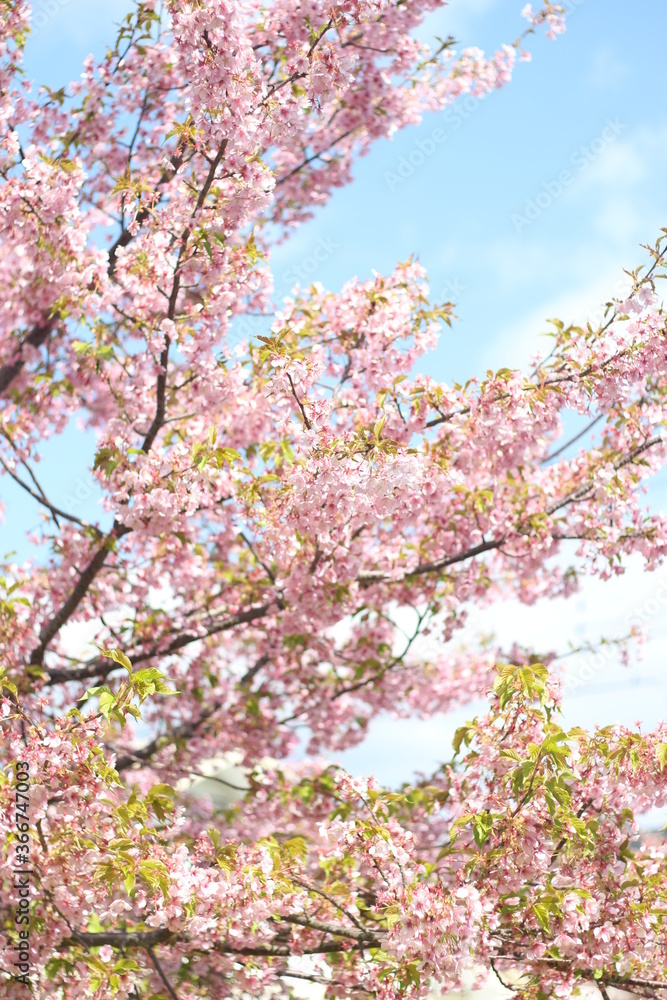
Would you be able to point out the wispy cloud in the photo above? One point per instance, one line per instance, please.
(607, 70)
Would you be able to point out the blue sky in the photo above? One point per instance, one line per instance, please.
(591, 104)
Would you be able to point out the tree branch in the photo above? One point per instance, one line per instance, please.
(362, 937)
(162, 935)
(56, 622)
(55, 511)
(35, 338)
(184, 731)
(377, 576)
(373, 576)
(119, 939)
(581, 491)
(158, 968)
(126, 236)
(101, 667)
(40, 333)
(161, 386)
(573, 440)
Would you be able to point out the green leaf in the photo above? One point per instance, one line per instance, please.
(214, 837)
(118, 656)
(461, 735)
(150, 681)
(93, 692)
(412, 974)
(156, 874)
(377, 430)
(126, 965)
(36, 671)
(542, 914)
(107, 704)
(482, 826)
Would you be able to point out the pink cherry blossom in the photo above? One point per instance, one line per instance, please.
(292, 534)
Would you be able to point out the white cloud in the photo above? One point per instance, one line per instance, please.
(622, 163)
(396, 749)
(607, 70)
(79, 20)
(618, 219)
(580, 238)
(458, 18)
(514, 344)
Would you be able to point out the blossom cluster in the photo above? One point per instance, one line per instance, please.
(292, 533)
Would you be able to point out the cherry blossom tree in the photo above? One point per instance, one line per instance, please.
(274, 513)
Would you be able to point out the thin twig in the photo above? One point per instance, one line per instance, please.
(567, 444)
(158, 968)
(55, 511)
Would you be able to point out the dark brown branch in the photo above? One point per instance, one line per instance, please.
(161, 385)
(119, 939)
(55, 511)
(583, 490)
(56, 622)
(556, 379)
(182, 732)
(622, 984)
(162, 935)
(362, 937)
(502, 982)
(618, 982)
(320, 980)
(126, 236)
(35, 338)
(101, 667)
(148, 939)
(210, 177)
(269, 572)
(40, 333)
(573, 440)
(315, 156)
(580, 493)
(299, 404)
(251, 671)
(158, 968)
(220, 781)
(373, 576)
(279, 950)
(86, 578)
(332, 900)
